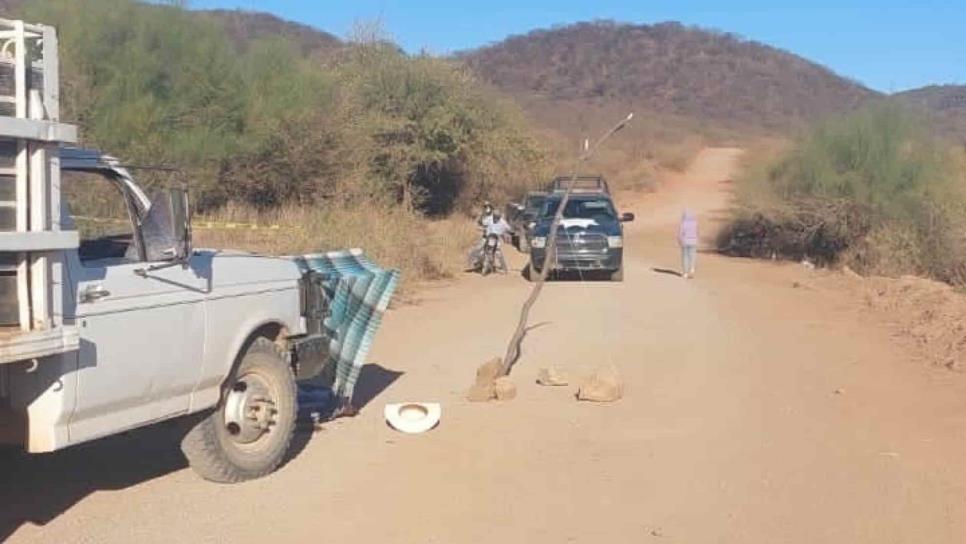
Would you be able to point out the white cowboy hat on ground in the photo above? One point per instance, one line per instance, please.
(413, 417)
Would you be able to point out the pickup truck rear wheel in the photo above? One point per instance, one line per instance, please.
(249, 433)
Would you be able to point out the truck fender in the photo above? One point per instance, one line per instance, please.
(210, 388)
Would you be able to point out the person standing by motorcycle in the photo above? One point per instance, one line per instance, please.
(487, 217)
(482, 222)
(500, 228)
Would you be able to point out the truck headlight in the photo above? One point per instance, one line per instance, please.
(539, 242)
(615, 241)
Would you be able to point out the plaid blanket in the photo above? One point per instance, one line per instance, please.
(359, 293)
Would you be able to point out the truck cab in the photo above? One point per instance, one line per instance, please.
(166, 331)
(110, 319)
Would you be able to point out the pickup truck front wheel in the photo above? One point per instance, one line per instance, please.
(247, 436)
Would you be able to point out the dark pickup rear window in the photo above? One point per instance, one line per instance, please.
(585, 208)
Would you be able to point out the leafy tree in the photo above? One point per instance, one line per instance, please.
(269, 125)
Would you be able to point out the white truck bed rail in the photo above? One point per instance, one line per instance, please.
(31, 267)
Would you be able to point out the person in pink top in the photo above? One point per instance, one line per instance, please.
(688, 240)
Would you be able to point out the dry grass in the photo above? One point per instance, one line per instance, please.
(633, 159)
(676, 155)
(422, 249)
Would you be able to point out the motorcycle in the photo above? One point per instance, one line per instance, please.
(491, 247)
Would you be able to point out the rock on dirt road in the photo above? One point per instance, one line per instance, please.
(727, 430)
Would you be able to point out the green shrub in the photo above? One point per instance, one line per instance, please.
(872, 189)
(266, 125)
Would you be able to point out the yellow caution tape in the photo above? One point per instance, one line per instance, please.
(232, 226)
(209, 225)
(98, 219)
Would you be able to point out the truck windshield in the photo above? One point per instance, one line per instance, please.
(101, 215)
(584, 208)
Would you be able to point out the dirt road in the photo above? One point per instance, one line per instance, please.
(754, 411)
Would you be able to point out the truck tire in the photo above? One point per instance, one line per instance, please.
(617, 275)
(248, 434)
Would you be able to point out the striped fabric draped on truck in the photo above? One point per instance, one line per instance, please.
(359, 292)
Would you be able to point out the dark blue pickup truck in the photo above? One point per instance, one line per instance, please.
(590, 237)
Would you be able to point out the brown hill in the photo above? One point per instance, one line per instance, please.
(667, 68)
(244, 26)
(946, 103)
(940, 98)
(8, 8)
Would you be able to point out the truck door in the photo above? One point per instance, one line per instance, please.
(142, 333)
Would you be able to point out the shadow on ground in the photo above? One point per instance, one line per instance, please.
(667, 271)
(318, 404)
(568, 275)
(35, 489)
(373, 380)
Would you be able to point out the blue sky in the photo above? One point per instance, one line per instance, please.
(887, 44)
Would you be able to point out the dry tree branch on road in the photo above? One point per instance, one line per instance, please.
(513, 348)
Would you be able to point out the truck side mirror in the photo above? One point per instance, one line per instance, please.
(182, 214)
(627, 217)
(166, 228)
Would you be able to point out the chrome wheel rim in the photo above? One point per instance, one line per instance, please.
(250, 409)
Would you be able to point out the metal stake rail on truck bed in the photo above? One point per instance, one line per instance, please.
(31, 272)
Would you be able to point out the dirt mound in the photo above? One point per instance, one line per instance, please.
(929, 313)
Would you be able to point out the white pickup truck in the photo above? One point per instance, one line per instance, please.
(167, 331)
(104, 331)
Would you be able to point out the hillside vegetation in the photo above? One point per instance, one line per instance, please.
(268, 126)
(244, 27)
(946, 104)
(874, 190)
(357, 143)
(670, 69)
(688, 87)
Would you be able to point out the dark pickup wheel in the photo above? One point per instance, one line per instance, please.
(617, 275)
(531, 273)
(249, 433)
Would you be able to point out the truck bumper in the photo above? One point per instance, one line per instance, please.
(309, 355)
(609, 260)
